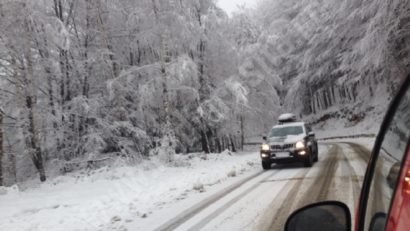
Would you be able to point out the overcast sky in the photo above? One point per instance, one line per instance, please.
(231, 5)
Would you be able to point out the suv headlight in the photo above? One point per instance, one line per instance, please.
(265, 147)
(300, 145)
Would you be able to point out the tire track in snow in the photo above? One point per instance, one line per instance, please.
(319, 190)
(360, 150)
(354, 177)
(364, 154)
(227, 205)
(189, 213)
(291, 190)
(287, 195)
(377, 194)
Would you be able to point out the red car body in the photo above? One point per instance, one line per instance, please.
(399, 218)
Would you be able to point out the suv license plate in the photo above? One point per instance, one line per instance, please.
(282, 154)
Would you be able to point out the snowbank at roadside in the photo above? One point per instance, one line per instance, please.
(339, 127)
(367, 142)
(98, 199)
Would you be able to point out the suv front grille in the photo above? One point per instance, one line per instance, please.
(282, 147)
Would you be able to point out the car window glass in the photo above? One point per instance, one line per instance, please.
(286, 131)
(388, 164)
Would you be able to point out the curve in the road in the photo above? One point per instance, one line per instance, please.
(362, 151)
(289, 197)
(319, 188)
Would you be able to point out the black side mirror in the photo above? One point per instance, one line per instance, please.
(330, 215)
(378, 222)
(264, 138)
(311, 134)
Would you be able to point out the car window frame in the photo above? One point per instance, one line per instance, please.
(397, 186)
(364, 195)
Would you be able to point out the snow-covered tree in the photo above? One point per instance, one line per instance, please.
(93, 81)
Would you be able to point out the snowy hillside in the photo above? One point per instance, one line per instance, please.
(336, 60)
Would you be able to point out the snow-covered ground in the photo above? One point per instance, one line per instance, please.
(212, 192)
(339, 127)
(151, 196)
(367, 142)
(109, 199)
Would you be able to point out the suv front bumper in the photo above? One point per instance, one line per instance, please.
(293, 156)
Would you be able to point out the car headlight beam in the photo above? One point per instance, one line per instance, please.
(265, 147)
(300, 145)
(264, 155)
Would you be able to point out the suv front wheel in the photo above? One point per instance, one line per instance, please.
(266, 165)
(309, 161)
(316, 155)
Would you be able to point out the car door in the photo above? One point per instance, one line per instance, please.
(385, 169)
(399, 217)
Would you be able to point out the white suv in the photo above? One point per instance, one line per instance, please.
(289, 141)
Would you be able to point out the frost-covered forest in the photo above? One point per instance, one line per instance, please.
(333, 58)
(88, 83)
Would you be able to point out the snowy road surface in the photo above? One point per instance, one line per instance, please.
(205, 192)
(264, 200)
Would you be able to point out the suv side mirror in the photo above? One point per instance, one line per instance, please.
(330, 215)
(264, 138)
(393, 175)
(311, 134)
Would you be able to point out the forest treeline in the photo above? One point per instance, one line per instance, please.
(89, 81)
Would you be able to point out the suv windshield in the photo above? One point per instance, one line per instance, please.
(286, 131)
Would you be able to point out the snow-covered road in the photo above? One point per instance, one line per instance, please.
(264, 200)
(205, 192)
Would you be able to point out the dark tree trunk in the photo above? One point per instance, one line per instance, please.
(64, 73)
(232, 144)
(131, 62)
(115, 68)
(242, 131)
(203, 94)
(204, 85)
(333, 94)
(204, 142)
(107, 40)
(32, 142)
(86, 87)
(218, 144)
(139, 56)
(67, 76)
(1, 149)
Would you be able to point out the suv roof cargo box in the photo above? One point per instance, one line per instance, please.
(287, 118)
